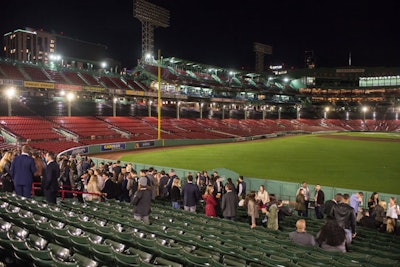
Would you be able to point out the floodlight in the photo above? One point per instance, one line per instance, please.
(364, 109)
(70, 96)
(10, 92)
(103, 65)
(326, 109)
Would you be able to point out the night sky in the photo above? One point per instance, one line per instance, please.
(222, 32)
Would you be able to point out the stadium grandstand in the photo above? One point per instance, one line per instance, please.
(198, 102)
(70, 105)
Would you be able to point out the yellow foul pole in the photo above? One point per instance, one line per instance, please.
(159, 96)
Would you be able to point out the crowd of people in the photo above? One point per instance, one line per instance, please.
(78, 176)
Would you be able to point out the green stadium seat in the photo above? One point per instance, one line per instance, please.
(342, 262)
(382, 262)
(145, 243)
(123, 259)
(103, 253)
(234, 263)
(164, 262)
(172, 250)
(81, 243)
(17, 233)
(59, 252)
(143, 255)
(41, 257)
(278, 260)
(319, 258)
(94, 238)
(36, 242)
(84, 261)
(62, 236)
(116, 246)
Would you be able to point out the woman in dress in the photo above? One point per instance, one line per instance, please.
(210, 201)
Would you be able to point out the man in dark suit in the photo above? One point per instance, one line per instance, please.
(229, 203)
(109, 186)
(319, 200)
(22, 170)
(50, 178)
(190, 194)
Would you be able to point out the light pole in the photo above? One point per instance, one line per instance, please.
(223, 111)
(10, 94)
(364, 110)
(149, 107)
(70, 97)
(279, 113)
(264, 112)
(326, 113)
(177, 109)
(115, 99)
(298, 108)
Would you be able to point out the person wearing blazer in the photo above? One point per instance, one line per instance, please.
(22, 170)
(50, 178)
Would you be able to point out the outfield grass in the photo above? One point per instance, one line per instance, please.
(366, 165)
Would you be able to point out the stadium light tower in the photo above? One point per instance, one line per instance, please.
(151, 16)
(10, 94)
(261, 50)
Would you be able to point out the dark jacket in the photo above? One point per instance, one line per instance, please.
(109, 189)
(8, 185)
(229, 204)
(190, 194)
(329, 207)
(50, 182)
(142, 202)
(175, 194)
(22, 170)
(320, 198)
(345, 217)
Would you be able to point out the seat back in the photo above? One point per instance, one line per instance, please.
(36, 242)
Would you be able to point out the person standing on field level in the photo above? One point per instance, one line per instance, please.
(22, 170)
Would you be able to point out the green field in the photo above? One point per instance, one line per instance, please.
(367, 165)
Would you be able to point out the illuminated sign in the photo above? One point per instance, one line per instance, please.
(94, 89)
(350, 70)
(68, 87)
(144, 144)
(112, 147)
(11, 82)
(39, 85)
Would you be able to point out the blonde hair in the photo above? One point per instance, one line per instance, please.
(208, 190)
(176, 182)
(6, 157)
(390, 225)
(382, 203)
(301, 224)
